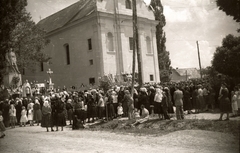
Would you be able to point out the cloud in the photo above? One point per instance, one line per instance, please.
(189, 21)
(176, 16)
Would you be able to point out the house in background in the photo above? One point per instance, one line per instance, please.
(94, 38)
(184, 74)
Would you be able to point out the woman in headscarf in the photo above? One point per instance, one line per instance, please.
(143, 98)
(158, 102)
(61, 120)
(12, 113)
(69, 109)
(128, 105)
(46, 115)
(101, 107)
(37, 115)
(18, 110)
(225, 104)
(110, 107)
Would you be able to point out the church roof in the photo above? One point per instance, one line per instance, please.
(192, 72)
(69, 14)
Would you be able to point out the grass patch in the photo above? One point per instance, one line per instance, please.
(161, 127)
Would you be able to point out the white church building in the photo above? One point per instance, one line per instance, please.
(94, 38)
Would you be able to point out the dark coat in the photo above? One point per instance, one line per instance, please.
(225, 103)
(187, 104)
(144, 100)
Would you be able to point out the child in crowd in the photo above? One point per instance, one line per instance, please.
(120, 110)
(2, 127)
(24, 118)
(136, 113)
(12, 114)
(30, 115)
(144, 117)
(234, 103)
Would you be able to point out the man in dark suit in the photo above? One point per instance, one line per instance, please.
(178, 95)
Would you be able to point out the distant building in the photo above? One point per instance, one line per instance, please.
(184, 74)
(94, 38)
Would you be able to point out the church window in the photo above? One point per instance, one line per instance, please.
(110, 41)
(89, 44)
(67, 54)
(151, 77)
(128, 4)
(92, 81)
(91, 62)
(23, 71)
(148, 43)
(41, 66)
(131, 43)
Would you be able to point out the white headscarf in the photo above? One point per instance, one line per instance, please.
(46, 104)
(37, 101)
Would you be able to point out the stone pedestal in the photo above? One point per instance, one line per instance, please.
(8, 80)
(51, 86)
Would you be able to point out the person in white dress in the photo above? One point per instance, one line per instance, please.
(30, 115)
(120, 110)
(24, 118)
(234, 103)
(30, 112)
(238, 101)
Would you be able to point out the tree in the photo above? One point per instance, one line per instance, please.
(163, 54)
(10, 13)
(230, 7)
(19, 33)
(164, 61)
(28, 41)
(226, 58)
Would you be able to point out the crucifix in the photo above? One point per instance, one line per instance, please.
(49, 72)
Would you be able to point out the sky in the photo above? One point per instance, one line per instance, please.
(187, 21)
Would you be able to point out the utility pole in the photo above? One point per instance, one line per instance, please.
(186, 76)
(119, 61)
(134, 45)
(134, 5)
(199, 60)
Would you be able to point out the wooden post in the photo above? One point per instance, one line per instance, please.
(134, 46)
(199, 60)
(135, 27)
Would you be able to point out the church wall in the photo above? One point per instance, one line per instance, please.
(124, 21)
(108, 6)
(79, 70)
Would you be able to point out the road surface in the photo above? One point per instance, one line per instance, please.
(35, 139)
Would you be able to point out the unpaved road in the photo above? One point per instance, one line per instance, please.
(37, 140)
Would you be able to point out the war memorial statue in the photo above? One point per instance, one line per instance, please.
(12, 77)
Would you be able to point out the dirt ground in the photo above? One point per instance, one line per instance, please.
(35, 139)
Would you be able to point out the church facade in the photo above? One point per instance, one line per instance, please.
(93, 38)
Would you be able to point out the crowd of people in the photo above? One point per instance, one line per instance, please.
(53, 108)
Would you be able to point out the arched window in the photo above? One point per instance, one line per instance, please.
(128, 4)
(110, 42)
(41, 66)
(148, 43)
(67, 54)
